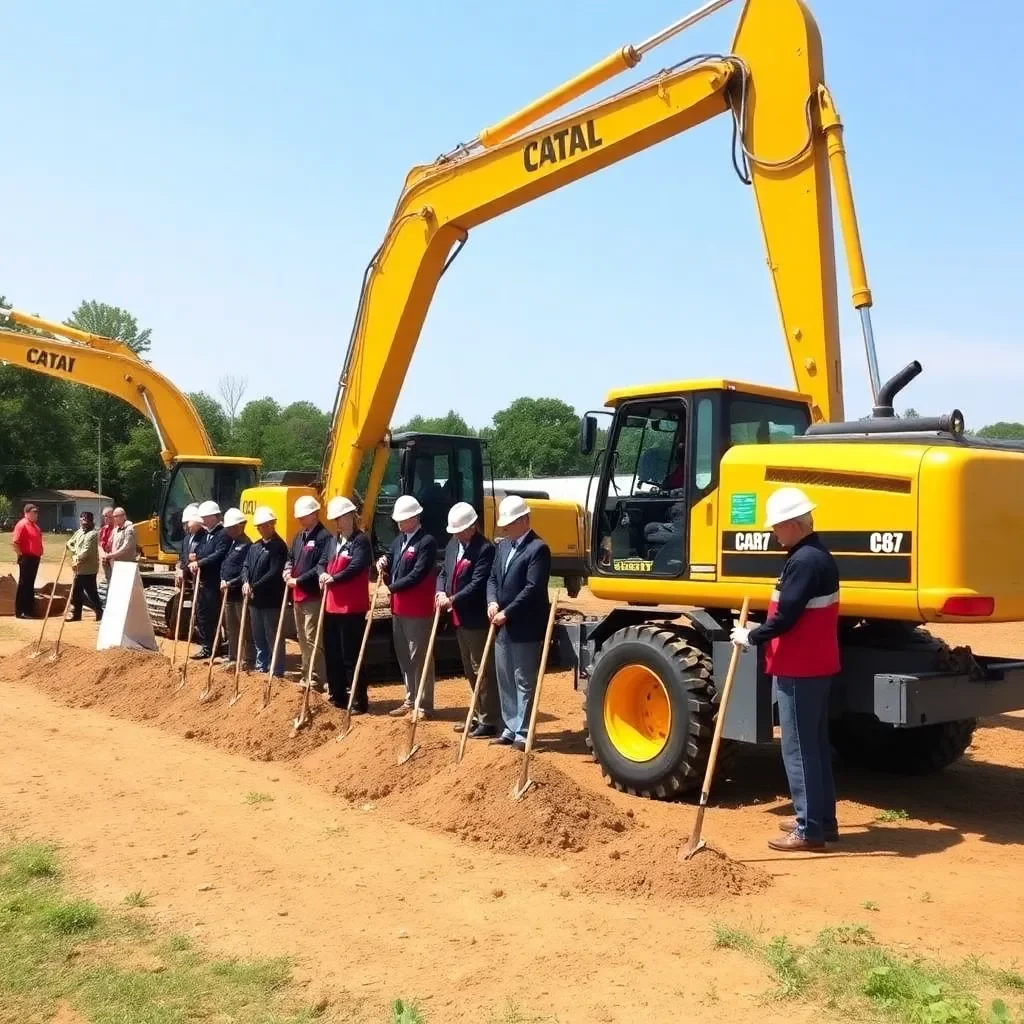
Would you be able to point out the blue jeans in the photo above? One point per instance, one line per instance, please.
(803, 716)
(264, 628)
(517, 665)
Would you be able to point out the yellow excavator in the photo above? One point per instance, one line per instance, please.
(195, 471)
(914, 510)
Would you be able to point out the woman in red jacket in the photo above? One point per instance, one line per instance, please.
(347, 579)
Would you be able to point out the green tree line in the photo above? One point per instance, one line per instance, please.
(49, 429)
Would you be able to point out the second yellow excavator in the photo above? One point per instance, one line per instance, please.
(195, 471)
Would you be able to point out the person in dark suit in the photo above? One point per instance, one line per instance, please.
(411, 565)
(206, 558)
(518, 603)
(462, 589)
(347, 579)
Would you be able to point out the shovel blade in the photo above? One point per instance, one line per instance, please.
(519, 791)
(345, 726)
(693, 846)
(402, 758)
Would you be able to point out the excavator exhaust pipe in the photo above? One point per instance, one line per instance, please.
(892, 387)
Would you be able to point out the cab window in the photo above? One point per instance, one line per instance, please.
(764, 421)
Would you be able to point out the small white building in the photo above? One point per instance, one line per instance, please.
(59, 510)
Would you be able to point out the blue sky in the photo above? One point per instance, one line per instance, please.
(225, 171)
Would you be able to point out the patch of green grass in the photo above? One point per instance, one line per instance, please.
(733, 938)
(136, 899)
(869, 905)
(405, 1013)
(846, 971)
(56, 948)
(258, 798)
(893, 815)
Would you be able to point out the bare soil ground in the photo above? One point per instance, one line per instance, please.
(428, 881)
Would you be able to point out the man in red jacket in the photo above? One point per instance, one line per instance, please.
(347, 581)
(801, 635)
(411, 565)
(27, 541)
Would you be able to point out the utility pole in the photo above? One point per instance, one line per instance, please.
(99, 468)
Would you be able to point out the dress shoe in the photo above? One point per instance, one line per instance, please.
(500, 741)
(482, 732)
(789, 825)
(401, 711)
(792, 843)
(520, 745)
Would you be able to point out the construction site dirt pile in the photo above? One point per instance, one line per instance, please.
(143, 687)
(557, 818)
(646, 865)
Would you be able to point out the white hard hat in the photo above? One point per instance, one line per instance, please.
(306, 505)
(234, 517)
(784, 504)
(339, 506)
(208, 508)
(190, 513)
(512, 507)
(407, 507)
(263, 515)
(461, 516)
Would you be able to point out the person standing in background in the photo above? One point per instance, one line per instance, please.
(85, 563)
(106, 533)
(122, 542)
(27, 541)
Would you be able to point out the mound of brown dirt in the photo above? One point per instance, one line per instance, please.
(648, 866)
(473, 801)
(556, 817)
(142, 686)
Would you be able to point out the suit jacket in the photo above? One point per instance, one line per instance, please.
(122, 543)
(521, 590)
(469, 598)
(210, 551)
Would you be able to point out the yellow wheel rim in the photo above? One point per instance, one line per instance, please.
(637, 713)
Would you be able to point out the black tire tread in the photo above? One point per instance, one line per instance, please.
(696, 668)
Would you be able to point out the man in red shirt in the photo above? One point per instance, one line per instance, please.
(106, 538)
(27, 542)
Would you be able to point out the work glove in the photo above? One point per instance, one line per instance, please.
(740, 636)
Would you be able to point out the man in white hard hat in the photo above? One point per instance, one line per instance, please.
(191, 525)
(346, 583)
(231, 570)
(183, 579)
(411, 564)
(462, 589)
(518, 603)
(801, 637)
(205, 562)
(263, 581)
(306, 561)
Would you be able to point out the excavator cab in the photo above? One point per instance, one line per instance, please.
(653, 517)
(438, 470)
(199, 478)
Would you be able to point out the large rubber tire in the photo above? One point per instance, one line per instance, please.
(686, 674)
(864, 743)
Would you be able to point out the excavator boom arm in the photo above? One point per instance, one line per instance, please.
(177, 424)
(770, 83)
